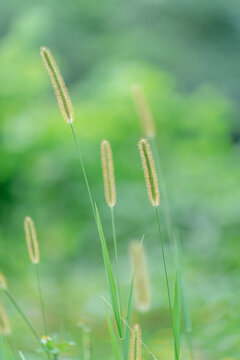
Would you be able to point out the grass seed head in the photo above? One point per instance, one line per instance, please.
(150, 173)
(3, 282)
(58, 83)
(141, 279)
(31, 239)
(5, 327)
(108, 173)
(143, 111)
(135, 345)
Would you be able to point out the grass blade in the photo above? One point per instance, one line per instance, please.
(126, 334)
(176, 316)
(112, 336)
(109, 274)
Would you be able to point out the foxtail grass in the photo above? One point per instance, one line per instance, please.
(135, 346)
(154, 197)
(144, 112)
(58, 83)
(150, 173)
(108, 173)
(67, 113)
(111, 199)
(65, 106)
(34, 254)
(149, 130)
(141, 279)
(31, 240)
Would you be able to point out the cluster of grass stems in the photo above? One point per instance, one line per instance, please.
(126, 339)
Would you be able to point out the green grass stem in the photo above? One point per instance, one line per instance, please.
(41, 299)
(166, 279)
(116, 258)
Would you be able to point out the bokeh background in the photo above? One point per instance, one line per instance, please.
(186, 56)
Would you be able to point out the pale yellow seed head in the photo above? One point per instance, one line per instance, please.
(141, 279)
(3, 282)
(135, 344)
(31, 239)
(108, 173)
(144, 112)
(150, 173)
(5, 327)
(58, 83)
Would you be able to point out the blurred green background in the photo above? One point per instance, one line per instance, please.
(186, 56)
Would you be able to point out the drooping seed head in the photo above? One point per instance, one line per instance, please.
(5, 327)
(3, 282)
(108, 173)
(150, 173)
(31, 239)
(143, 111)
(58, 83)
(135, 345)
(141, 279)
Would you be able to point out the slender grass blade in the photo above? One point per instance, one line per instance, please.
(112, 336)
(109, 274)
(126, 334)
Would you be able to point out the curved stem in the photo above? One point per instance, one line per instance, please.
(83, 169)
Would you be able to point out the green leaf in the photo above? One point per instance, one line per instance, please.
(109, 274)
(112, 336)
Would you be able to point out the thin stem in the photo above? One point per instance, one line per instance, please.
(23, 315)
(116, 258)
(166, 277)
(83, 169)
(41, 299)
(25, 319)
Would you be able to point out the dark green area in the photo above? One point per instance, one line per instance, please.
(186, 55)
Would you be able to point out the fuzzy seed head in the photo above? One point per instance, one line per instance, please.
(150, 173)
(31, 240)
(108, 173)
(5, 327)
(58, 83)
(3, 282)
(135, 344)
(144, 112)
(141, 279)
